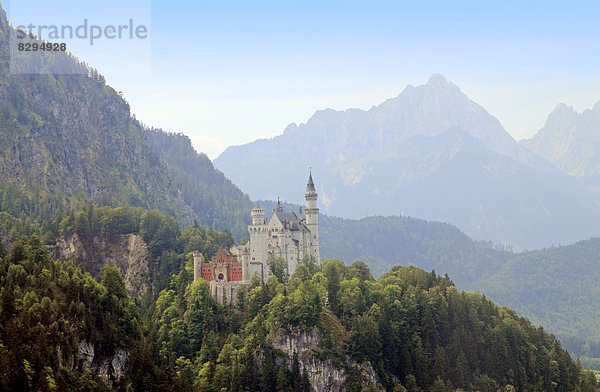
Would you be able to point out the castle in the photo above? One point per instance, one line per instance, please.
(290, 235)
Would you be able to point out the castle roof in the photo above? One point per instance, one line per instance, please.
(310, 187)
(292, 220)
(226, 251)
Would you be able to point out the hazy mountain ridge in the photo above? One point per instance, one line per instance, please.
(385, 242)
(426, 110)
(398, 158)
(570, 140)
(335, 137)
(556, 288)
(565, 277)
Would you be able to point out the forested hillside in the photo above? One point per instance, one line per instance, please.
(210, 194)
(59, 328)
(146, 246)
(408, 331)
(557, 288)
(83, 182)
(68, 139)
(384, 242)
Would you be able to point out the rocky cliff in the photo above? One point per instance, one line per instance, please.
(110, 370)
(128, 252)
(325, 374)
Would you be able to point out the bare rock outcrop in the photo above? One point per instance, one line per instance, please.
(128, 252)
(324, 374)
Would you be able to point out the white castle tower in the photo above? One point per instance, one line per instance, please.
(258, 215)
(258, 235)
(291, 235)
(312, 217)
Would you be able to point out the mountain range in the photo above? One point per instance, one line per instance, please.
(430, 152)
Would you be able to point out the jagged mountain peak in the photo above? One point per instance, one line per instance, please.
(430, 140)
(439, 83)
(563, 116)
(437, 87)
(570, 140)
(3, 18)
(292, 127)
(437, 79)
(561, 111)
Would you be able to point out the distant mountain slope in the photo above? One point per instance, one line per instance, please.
(570, 140)
(69, 139)
(453, 178)
(331, 138)
(213, 197)
(555, 287)
(565, 277)
(430, 153)
(385, 242)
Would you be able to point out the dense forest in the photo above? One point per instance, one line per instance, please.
(49, 310)
(565, 277)
(410, 330)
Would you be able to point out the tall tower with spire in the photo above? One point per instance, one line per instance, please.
(312, 216)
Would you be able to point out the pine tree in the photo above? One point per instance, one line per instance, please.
(305, 386)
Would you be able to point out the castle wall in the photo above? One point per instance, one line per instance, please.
(226, 293)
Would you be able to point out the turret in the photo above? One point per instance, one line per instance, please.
(258, 215)
(311, 194)
(312, 216)
(258, 235)
(197, 266)
(279, 206)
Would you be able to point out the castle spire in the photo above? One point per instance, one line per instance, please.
(310, 186)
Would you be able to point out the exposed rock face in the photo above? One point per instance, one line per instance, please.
(324, 375)
(110, 370)
(128, 252)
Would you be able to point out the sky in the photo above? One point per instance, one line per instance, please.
(229, 72)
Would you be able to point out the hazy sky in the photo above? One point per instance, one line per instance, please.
(226, 72)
